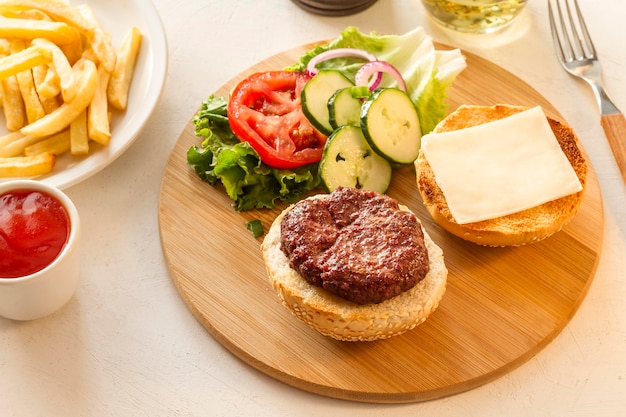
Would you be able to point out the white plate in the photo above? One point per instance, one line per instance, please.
(116, 17)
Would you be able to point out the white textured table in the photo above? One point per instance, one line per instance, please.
(126, 345)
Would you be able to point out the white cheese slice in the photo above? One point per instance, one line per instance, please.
(501, 167)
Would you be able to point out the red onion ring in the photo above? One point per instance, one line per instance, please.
(365, 73)
(337, 53)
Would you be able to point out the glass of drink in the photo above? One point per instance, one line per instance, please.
(474, 16)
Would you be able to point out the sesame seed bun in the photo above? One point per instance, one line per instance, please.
(344, 320)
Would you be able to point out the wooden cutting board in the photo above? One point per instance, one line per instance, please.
(501, 307)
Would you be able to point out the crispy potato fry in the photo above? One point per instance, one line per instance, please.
(121, 76)
(58, 32)
(39, 75)
(49, 104)
(57, 144)
(57, 70)
(34, 109)
(99, 40)
(5, 47)
(17, 45)
(102, 48)
(12, 104)
(62, 68)
(32, 14)
(47, 80)
(9, 137)
(32, 105)
(17, 147)
(98, 115)
(66, 13)
(68, 111)
(27, 166)
(73, 51)
(79, 139)
(58, 10)
(24, 60)
(89, 54)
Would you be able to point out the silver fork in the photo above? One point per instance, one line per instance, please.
(577, 54)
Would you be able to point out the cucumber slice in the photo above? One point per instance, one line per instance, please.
(315, 96)
(349, 161)
(391, 125)
(344, 107)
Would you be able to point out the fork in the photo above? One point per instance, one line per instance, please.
(577, 54)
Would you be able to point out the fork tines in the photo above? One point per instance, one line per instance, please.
(569, 29)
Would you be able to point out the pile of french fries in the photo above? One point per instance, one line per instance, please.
(60, 77)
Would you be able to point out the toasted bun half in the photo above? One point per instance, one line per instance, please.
(344, 320)
(528, 226)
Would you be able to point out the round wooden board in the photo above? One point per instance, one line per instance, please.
(501, 307)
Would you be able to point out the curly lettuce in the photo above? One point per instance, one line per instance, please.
(223, 158)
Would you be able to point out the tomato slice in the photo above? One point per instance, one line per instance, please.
(265, 111)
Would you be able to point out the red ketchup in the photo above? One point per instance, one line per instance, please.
(34, 227)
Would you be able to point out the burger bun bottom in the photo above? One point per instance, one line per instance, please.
(344, 320)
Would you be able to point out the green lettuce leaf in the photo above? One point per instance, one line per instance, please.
(427, 72)
(222, 158)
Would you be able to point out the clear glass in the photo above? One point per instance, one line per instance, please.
(474, 16)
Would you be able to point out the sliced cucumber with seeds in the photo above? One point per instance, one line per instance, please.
(344, 107)
(315, 96)
(349, 161)
(391, 125)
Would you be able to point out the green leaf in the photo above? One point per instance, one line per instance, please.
(223, 159)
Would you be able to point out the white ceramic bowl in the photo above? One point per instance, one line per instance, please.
(43, 292)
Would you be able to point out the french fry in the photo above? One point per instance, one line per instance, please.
(24, 60)
(32, 105)
(121, 76)
(99, 40)
(58, 32)
(49, 104)
(64, 12)
(9, 137)
(17, 147)
(31, 14)
(12, 104)
(48, 87)
(46, 80)
(56, 69)
(27, 166)
(98, 115)
(58, 10)
(57, 144)
(5, 47)
(61, 118)
(73, 51)
(62, 68)
(79, 139)
(88, 53)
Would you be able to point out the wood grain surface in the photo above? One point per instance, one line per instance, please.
(501, 307)
(614, 126)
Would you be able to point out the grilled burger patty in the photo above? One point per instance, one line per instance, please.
(355, 244)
